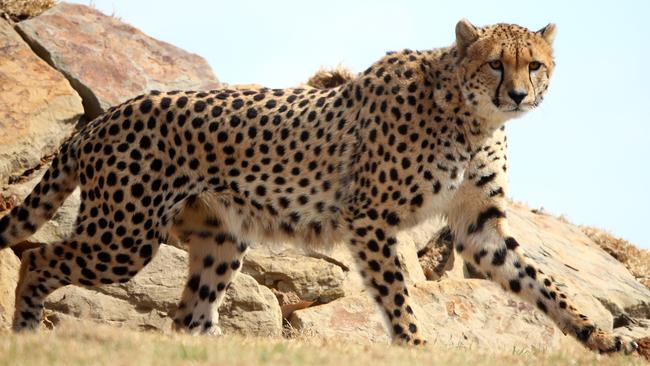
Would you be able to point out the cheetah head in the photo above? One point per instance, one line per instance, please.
(504, 70)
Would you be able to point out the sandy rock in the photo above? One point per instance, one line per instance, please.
(9, 267)
(108, 61)
(585, 270)
(635, 328)
(452, 312)
(87, 304)
(38, 106)
(250, 308)
(353, 318)
(309, 278)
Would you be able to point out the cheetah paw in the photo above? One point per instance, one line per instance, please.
(605, 342)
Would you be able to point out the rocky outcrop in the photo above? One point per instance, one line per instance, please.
(108, 61)
(38, 107)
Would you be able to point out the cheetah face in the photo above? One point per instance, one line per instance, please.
(504, 70)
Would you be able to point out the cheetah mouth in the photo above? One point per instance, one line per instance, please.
(519, 109)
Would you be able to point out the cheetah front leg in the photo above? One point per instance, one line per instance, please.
(373, 245)
(478, 222)
(216, 257)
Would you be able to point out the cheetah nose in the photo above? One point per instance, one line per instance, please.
(517, 96)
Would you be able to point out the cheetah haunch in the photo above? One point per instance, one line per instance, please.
(417, 133)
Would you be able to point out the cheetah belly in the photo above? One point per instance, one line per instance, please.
(258, 227)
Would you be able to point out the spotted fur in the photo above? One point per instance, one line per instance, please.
(418, 133)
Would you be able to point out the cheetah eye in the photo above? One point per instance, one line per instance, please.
(496, 64)
(534, 66)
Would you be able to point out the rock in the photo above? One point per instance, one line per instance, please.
(578, 264)
(108, 61)
(311, 279)
(9, 267)
(250, 309)
(87, 304)
(39, 108)
(478, 312)
(468, 313)
(146, 300)
(354, 318)
(635, 328)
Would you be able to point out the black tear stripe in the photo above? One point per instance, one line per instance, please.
(485, 179)
(497, 101)
(491, 213)
(530, 78)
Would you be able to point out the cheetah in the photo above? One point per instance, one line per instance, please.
(418, 133)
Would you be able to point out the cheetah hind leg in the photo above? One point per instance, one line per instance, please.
(50, 267)
(215, 259)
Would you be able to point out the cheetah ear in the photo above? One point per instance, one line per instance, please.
(466, 34)
(548, 33)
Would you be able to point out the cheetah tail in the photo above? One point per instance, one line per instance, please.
(40, 205)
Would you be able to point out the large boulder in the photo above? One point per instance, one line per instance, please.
(38, 107)
(585, 271)
(150, 298)
(9, 267)
(471, 313)
(108, 61)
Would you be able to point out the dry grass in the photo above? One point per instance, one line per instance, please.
(18, 10)
(636, 260)
(101, 345)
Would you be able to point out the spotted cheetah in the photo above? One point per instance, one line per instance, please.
(418, 133)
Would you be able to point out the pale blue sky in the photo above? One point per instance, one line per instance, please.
(583, 154)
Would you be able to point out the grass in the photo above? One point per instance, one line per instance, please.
(102, 345)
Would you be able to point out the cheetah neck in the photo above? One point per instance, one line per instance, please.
(440, 70)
